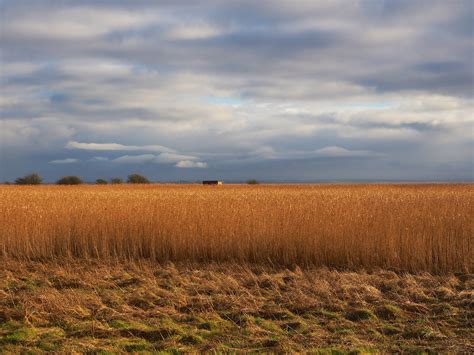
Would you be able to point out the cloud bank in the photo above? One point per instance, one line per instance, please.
(281, 90)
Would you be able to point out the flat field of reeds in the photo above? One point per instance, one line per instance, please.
(398, 227)
(327, 269)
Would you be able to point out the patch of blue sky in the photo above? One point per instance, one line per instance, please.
(54, 96)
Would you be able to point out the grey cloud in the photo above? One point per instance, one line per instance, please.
(324, 152)
(134, 159)
(335, 151)
(385, 83)
(180, 160)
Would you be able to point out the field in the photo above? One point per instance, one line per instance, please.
(406, 228)
(269, 267)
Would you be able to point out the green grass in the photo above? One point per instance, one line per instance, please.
(360, 314)
(237, 316)
(389, 312)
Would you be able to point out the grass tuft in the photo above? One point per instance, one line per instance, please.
(360, 314)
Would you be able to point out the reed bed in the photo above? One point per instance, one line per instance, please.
(400, 227)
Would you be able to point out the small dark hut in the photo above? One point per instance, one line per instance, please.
(212, 182)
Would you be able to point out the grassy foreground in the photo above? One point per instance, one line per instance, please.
(92, 306)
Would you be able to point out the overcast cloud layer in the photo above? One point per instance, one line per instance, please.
(273, 90)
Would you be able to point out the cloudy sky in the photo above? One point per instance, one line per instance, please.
(273, 90)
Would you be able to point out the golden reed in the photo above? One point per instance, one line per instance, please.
(400, 227)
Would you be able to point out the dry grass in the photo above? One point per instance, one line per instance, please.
(101, 307)
(399, 227)
(88, 268)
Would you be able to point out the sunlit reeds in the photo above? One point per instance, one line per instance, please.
(401, 227)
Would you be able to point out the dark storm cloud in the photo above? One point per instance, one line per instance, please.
(332, 89)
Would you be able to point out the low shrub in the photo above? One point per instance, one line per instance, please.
(137, 179)
(69, 180)
(31, 179)
(116, 181)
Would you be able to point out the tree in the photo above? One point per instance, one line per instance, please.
(116, 181)
(69, 180)
(137, 179)
(101, 182)
(252, 182)
(31, 179)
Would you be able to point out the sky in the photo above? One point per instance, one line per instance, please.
(325, 90)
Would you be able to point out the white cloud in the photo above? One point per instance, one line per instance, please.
(98, 68)
(192, 31)
(173, 158)
(135, 159)
(181, 160)
(117, 147)
(64, 161)
(191, 164)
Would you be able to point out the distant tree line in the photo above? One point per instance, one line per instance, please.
(35, 179)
